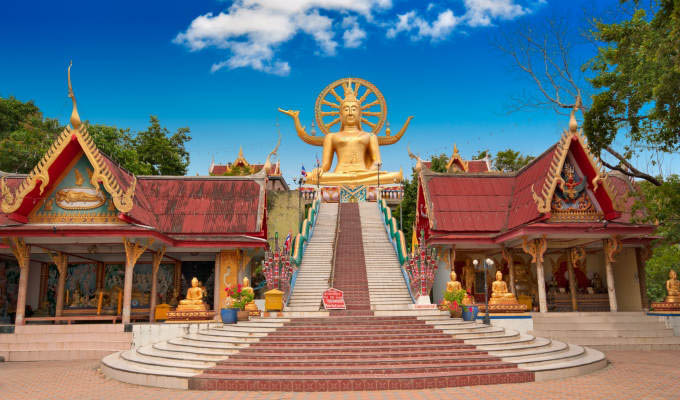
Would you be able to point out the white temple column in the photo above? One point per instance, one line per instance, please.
(155, 264)
(22, 253)
(611, 247)
(132, 253)
(536, 248)
(61, 261)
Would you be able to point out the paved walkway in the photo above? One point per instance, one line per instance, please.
(631, 375)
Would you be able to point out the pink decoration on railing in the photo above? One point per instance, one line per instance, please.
(421, 267)
(278, 270)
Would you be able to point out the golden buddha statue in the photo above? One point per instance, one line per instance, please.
(453, 284)
(672, 288)
(250, 307)
(500, 293)
(358, 151)
(194, 299)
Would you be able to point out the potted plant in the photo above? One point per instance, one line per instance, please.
(452, 302)
(240, 298)
(470, 309)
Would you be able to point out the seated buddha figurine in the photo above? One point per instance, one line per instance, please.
(500, 293)
(194, 300)
(673, 288)
(357, 151)
(453, 284)
(250, 307)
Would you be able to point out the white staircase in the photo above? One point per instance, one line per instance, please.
(386, 285)
(608, 330)
(312, 278)
(63, 342)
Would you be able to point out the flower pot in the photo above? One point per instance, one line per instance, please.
(457, 313)
(228, 315)
(243, 315)
(470, 313)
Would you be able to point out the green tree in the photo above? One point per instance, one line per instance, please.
(25, 136)
(164, 153)
(664, 258)
(660, 205)
(637, 73)
(510, 160)
(438, 163)
(407, 207)
(481, 154)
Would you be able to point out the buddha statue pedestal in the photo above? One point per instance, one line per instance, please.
(502, 301)
(671, 303)
(191, 309)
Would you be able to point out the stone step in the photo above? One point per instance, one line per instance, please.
(187, 366)
(611, 333)
(70, 345)
(152, 351)
(56, 355)
(67, 337)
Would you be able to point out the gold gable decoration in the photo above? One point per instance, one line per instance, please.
(122, 199)
(456, 157)
(544, 199)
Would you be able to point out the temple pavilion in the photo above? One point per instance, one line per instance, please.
(560, 229)
(82, 238)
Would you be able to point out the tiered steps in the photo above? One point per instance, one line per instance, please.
(349, 353)
(312, 278)
(63, 342)
(350, 271)
(608, 330)
(387, 288)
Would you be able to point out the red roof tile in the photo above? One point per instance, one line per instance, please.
(200, 205)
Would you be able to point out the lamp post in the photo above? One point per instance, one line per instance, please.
(299, 182)
(487, 263)
(377, 197)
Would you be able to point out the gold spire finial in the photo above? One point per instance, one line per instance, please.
(75, 118)
(349, 92)
(240, 152)
(573, 125)
(455, 149)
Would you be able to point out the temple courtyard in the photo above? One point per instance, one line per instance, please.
(630, 375)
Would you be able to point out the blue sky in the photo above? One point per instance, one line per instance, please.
(223, 68)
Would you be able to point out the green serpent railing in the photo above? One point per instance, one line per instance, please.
(397, 239)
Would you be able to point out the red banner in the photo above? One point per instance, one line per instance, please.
(333, 300)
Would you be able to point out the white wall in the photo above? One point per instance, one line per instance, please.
(626, 281)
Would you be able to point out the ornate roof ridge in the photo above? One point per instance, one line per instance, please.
(122, 198)
(553, 178)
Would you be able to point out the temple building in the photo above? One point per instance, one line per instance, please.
(241, 167)
(560, 229)
(83, 237)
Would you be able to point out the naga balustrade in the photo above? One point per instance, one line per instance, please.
(421, 267)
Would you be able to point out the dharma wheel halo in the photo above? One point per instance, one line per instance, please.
(371, 101)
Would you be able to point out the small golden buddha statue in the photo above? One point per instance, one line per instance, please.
(453, 284)
(672, 288)
(358, 151)
(500, 293)
(194, 299)
(250, 307)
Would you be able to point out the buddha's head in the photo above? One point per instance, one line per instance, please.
(194, 282)
(453, 275)
(673, 275)
(499, 276)
(246, 281)
(350, 109)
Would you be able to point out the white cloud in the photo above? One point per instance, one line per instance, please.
(251, 30)
(478, 13)
(353, 35)
(482, 12)
(438, 29)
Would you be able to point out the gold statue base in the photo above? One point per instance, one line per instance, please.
(190, 316)
(503, 301)
(252, 309)
(504, 308)
(665, 306)
(192, 307)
